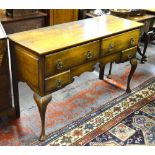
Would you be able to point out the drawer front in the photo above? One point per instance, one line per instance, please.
(57, 81)
(115, 57)
(128, 54)
(72, 57)
(119, 42)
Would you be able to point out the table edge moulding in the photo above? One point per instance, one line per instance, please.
(41, 57)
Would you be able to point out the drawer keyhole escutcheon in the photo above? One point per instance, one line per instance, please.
(132, 42)
(59, 64)
(58, 83)
(111, 46)
(89, 55)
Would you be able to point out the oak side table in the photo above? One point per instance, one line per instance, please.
(48, 58)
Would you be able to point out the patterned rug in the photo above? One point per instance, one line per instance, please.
(126, 120)
(136, 129)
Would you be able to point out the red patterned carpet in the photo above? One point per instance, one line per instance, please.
(127, 120)
(72, 103)
(136, 129)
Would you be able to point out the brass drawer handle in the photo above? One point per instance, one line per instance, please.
(59, 64)
(129, 56)
(111, 46)
(89, 55)
(132, 42)
(58, 83)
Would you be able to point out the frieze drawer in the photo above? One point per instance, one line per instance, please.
(128, 54)
(119, 42)
(57, 81)
(63, 60)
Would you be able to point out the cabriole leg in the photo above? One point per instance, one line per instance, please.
(146, 41)
(42, 103)
(139, 51)
(101, 74)
(109, 75)
(133, 63)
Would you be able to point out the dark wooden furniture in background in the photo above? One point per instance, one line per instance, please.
(152, 25)
(145, 35)
(59, 16)
(41, 57)
(20, 12)
(14, 21)
(5, 87)
(23, 22)
(86, 13)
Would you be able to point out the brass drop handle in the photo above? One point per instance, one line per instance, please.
(89, 55)
(111, 46)
(58, 83)
(59, 64)
(132, 42)
(129, 56)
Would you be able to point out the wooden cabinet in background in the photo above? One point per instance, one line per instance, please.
(13, 24)
(59, 16)
(5, 88)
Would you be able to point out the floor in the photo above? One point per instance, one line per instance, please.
(85, 94)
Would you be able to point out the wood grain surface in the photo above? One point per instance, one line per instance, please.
(52, 38)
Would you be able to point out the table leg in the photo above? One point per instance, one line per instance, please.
(133, 63)
(109, 75)
(146, 41)
(139, 51)
(42, 103)
(152, 35)
(101, 74)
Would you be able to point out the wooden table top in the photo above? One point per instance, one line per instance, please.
(48, 39)
(141, 18)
